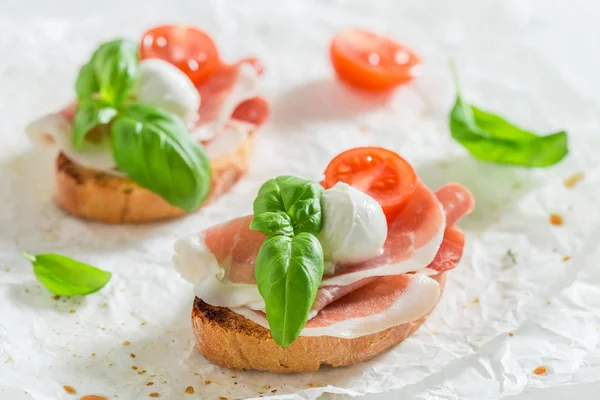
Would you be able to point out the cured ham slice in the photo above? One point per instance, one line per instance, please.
(420, 226)
(230, 111)
(386, 302)
(413, 239)
(234, 248)
(450, 251)
(456, 201)
(374, 302)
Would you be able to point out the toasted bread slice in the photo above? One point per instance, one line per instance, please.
(95, 195)
(233, 341)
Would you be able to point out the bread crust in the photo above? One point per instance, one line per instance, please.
(95, 195)
(231, 340)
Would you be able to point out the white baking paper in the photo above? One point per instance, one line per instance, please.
(515, 302)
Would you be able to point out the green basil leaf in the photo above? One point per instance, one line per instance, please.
(112, 72)
(489, 137)
(86, 85)
(90, 113)
(155, 149)
(273, 223)
(64, 276)
(288, 274)
(297, 197)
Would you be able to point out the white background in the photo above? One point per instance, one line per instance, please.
(535, 61)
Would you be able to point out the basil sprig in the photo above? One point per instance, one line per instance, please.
(152, 146)
(64, 276)
(489, 137)
(289, 265)
(297, 197)
(111, 73)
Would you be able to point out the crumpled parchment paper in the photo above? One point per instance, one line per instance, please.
(526, 295)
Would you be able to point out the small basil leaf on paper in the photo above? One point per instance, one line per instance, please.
(112, 72)
(155, 149)
(64, 276)
(489, 137)
(273, 223)
(297, 197)
(288, 273)
(90, 113)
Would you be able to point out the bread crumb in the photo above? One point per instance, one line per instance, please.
(69, 389)
(133, 367)
(511, 334)
(55, 297)
(478, 339)
(72, 311)
(154, 394)
(566, 258)
(222, 398)
(132, 355)
(556, 219)
(142, 372)
(476, 300)
(93, 354)
(541, 370)
(207, 382)
(189, 390)
(266, 387)
(548, 302)
(149, 383)
(143, 324)
(573, 180)
(126, 343)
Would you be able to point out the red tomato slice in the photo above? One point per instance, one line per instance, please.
(380, 173)
(373, 62)
(188, 48)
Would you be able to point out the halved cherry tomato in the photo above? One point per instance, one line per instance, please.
(188, 48)
(373, 62)
(380, 173)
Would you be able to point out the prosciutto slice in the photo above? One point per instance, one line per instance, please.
(384, 291)
(230, 111)
(420, 224)
(388, 301)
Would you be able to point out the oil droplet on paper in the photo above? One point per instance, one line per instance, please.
(69, 389)
(556, 219)
(541, 370)
(574, 179)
